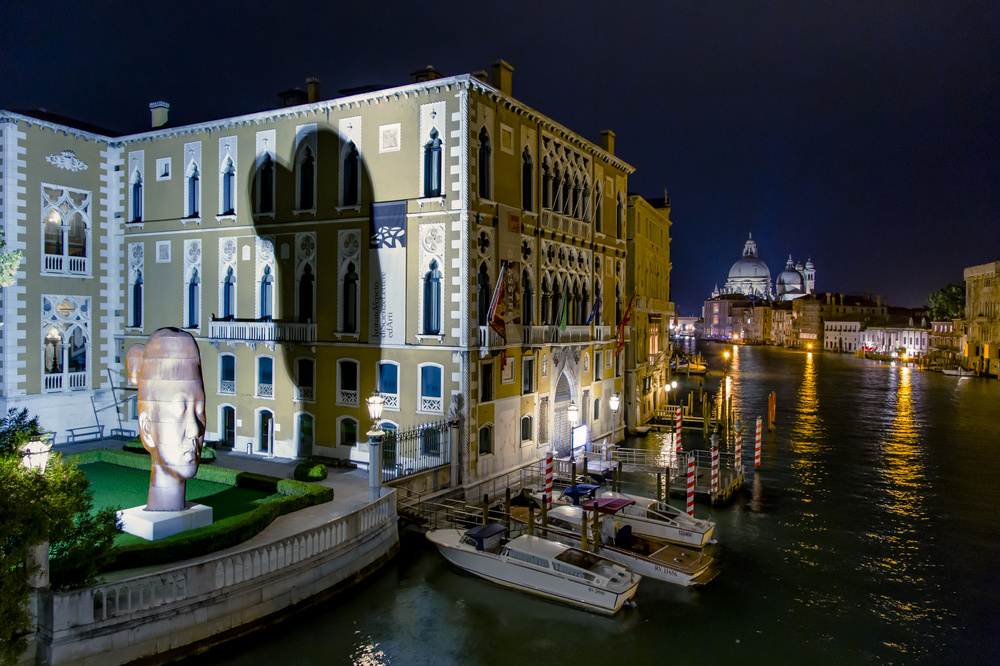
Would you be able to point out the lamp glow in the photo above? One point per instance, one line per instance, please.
(573, 413)
(615, 401)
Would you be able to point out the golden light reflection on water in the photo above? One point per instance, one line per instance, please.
(808, 429)
(902, 467)
(369, 654)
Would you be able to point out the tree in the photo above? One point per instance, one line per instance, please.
(35, 508)
(948, 302)
(9, 263)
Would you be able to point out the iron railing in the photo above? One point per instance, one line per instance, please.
(422, 447)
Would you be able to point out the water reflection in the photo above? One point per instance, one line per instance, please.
(902, 468)
(808, 431)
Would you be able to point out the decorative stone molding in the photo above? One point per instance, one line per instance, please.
(68, 160)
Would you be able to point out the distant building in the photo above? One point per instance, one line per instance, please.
(648, 277)
(842, 333)
(981, 350)
(749, 276)
(946, 343)
(795, 281)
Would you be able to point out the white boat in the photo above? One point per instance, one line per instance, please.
(659, 520)
(648, 517)
(539, 566)
(652, 558)
(957, 372)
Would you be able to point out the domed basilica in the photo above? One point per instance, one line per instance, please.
(750, 276)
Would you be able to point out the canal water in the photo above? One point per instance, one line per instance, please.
(870, 534)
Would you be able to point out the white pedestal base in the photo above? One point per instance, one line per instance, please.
(155, 525)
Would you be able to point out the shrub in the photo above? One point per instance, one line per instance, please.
(134, 445)
(310, 471)
(225, 533)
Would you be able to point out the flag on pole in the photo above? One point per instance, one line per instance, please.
(564, 310)
(626, 318)
(498, 313)
(597, 306)
(498, 316)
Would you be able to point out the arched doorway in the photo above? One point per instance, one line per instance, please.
(561, 430)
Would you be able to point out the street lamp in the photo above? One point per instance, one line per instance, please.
(573, 414)
(375, 404)
(614, 402)
(35, 455)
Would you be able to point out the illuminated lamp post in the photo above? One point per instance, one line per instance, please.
(573, 415)
(614, 402)
(375, 404)
(725, 355)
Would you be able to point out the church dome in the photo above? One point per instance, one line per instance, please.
(749, 266)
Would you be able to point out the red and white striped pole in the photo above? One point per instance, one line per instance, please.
(690, 485)
(756, 446)
(715, 463)
(677, 423)
(678, 451)
(548, 481)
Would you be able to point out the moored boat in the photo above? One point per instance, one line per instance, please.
(652, 558)
(659, 520)
(546, 568)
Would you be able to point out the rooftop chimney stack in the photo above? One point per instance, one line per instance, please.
(312, 87)
(608, 141)
(503, 74)
(159, 111)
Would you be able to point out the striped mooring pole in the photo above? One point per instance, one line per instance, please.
(715, 463)
(548, 481)
(690, 485)
(677, 422)
(756, 446)
(677, 449)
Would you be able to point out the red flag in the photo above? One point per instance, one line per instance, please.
(626, 318)
(498, 316)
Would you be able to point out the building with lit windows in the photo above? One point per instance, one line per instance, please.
(249, 232)
(647, 355)
(982, 318)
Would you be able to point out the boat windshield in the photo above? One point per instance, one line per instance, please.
(661, 511)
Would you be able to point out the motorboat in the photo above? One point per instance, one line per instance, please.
(691, 365)
(958, 372)
(659, 520)
(549, 569)
(652, 558)
(648, 517)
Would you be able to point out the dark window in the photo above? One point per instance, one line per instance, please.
(348, 432)
(527, 181)
(77, 236)
(266, 295)
(228, 370)
(388, 378)
(485, 441)
(306, 171)
(432, 300)
(193, 299)
(267, 186)
(350, 300)
(348, 375)
(305, 373)
(306, 295)
(432, 166)
(526, 429)
(527, 375)
(546, 303)
(137, 199)
(351, 175)
(228, 185)
(546, 185)
(228, 426)
(137, 301)
(486, 382)
(229, 295)
(527, 300)
(264, 370)
(484, 164)
(484, 296)
(192, 185)
(430, 381)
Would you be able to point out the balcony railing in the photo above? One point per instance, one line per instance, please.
(348, 397)
(66, 380)
(57, 263)
(227, 387)
(265, 390)
(487, 337)
(261, 331)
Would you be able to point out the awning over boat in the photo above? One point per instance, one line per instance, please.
(482, 534)
(608, 504)
(578, 491)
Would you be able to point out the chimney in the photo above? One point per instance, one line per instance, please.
(159, 111)
(312, 88)
(482, 76)
(428, 73)
(503, 73)
(608, 141)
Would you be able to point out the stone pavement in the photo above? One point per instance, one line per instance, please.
(350, 491)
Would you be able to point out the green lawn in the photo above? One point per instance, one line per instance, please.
(123, 487)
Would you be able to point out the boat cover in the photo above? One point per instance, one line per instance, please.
(608, 505)
(578, 491)
(481, 533)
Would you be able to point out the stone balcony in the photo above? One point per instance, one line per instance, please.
(253, 332)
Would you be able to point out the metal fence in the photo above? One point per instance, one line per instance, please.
(422, 447)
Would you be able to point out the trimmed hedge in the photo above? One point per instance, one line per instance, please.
(225, 533)
(135, 446)
(310, 471)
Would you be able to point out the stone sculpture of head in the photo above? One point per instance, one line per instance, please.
(167, 370)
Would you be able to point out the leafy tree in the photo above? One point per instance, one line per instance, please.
(948, 302)
(35, 508)
(9, 263)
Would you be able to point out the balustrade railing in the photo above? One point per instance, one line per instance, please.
(261, 331)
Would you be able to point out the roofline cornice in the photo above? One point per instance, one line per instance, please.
(548, 124)
(14, 117)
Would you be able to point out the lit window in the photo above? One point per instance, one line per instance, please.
(65, 230)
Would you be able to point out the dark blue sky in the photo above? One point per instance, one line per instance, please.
(861, 134)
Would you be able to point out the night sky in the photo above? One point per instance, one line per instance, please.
(862, 134)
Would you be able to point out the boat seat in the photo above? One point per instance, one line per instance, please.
(623, 538)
